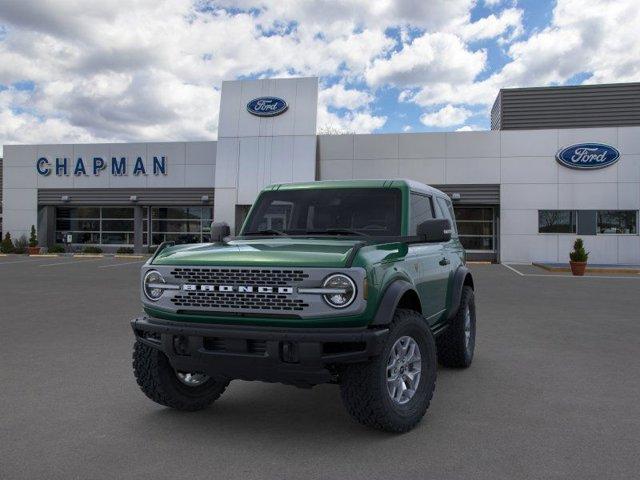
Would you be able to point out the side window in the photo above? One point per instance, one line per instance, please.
(447, 211)
(421, 210)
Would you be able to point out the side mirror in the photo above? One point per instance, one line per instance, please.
(219, 230)
(435, 230)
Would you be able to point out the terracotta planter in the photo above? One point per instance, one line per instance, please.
(33, 250)
(578, 268)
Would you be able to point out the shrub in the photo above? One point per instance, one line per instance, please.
(57, 248)
(20, 245)
(7, 244)
(33, 238)
(125, 250)
(579, 254)
(91, 249)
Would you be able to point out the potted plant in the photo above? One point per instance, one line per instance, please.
(578, 258)
(33, 249)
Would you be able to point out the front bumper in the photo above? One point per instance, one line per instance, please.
(302, 357)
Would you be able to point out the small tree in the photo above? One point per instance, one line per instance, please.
(579, 254)
(7, 244)
(33, 237)
(20, 245)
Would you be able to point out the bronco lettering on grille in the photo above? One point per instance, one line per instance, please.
(237, 288)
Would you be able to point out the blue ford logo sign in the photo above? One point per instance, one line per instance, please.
(588, 156)
(267, 106)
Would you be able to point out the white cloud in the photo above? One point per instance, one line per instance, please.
(432, 57)
(407, 128)
(508, 22)
(469, 128)
(447, 116)
(340, 97)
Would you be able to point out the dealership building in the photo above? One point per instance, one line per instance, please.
(559, 162)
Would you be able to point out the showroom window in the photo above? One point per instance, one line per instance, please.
(556, 221)
(618, 222)
(476, 228)
(95, 225)
(180, 224)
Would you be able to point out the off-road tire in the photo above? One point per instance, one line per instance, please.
(158, 381)
(452, 349)
(363, 386)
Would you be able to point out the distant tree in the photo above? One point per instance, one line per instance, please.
(331, 129)
(7, 244)
(33, 238)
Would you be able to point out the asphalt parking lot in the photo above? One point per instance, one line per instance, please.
(554, 391)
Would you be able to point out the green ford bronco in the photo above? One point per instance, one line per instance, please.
(358, 283)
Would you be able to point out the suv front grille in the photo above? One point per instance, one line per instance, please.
(238, 301)
(228, 276)
(235, 301)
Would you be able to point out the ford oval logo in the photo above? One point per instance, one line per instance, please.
(588, 156)
(267, 106)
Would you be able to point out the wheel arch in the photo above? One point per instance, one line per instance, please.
(399, 294)
(462, 278)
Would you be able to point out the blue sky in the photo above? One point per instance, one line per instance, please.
(77, 71)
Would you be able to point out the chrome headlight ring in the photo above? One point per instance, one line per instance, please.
(340, 290)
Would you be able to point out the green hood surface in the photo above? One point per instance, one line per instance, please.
(285, 252)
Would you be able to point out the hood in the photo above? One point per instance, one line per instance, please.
(285, 252)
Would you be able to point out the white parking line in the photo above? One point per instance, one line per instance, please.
(550, 275)
(72, 262)
(121, 264)
(513, 269)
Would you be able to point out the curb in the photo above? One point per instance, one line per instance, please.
(588, 270)
(123, 255)
(88, 255)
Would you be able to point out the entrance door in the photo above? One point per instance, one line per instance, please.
(477, 229)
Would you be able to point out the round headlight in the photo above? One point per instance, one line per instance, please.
(151, 285)
(344, 291)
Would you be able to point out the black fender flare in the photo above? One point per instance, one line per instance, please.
(390, 300)
(459, 279)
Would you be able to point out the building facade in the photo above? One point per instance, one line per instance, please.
(515, 199)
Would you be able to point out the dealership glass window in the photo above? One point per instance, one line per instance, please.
(421, 210)
(557, 221)
(180, 224)
(618, 221)
(95, 225)
(476, 229)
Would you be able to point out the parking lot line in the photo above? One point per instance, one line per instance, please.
(121, 264)
(551, 275)
(75, 261)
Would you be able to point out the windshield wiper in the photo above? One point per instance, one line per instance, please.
(268, 231)
(338, 231)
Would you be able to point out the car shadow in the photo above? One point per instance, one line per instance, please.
(267, 411)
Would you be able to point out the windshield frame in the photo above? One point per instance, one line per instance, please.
(334, 232)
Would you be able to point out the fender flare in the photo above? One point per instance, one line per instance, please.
(459, 279)
(390, 300)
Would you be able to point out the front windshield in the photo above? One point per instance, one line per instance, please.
(334, 211)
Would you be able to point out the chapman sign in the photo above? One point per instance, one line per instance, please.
(267, 106)
(118, 166)
(588, 156)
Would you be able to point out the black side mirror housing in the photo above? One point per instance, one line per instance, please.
(219, 230)
(435, 230)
